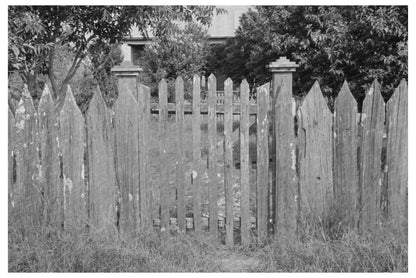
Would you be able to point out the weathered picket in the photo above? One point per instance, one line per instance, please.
(145, 198)
(372, 127)
(316, 155)
(10, 158)
(244, 163)
(262, 160)
(102, 187)
(164, 186)
(49, 157)
(27, 193)
(71, 172)
(228, 161)
(196, 153)
(126, 124)
(286, 177)
(212, 158)
(71, 146)
(180, 176)
(345, 156)
(397, 156)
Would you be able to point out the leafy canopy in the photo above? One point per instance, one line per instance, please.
(330, 43)
(36, 31)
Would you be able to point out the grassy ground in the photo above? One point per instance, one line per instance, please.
(382, 251)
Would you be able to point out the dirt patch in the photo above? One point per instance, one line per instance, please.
(234, 262)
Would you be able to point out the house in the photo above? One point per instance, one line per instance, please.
(222, 27)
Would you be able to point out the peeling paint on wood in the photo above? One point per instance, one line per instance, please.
(397, 156)
(164, 186)
(262, 160)
(196, 153)
(244, 163)
(126, 125)
(372, 122)
(48, 136)
(101, 179)
(212, 156)
(228, 161)
(345, 156)
(316, 178)
(286, 178)
(72, 138)
(28, 191)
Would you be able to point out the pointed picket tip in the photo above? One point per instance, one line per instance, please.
(244, 82)
(163, 83)
(399, 92)
(179, 80)
(69, 96)
(196, 77)
(212, 77)
(373, 94)
(315, 95)
(70, 104)
(25, 104)
(46, 99)
(345, 94)
(228, 82)
(127, 96)
(96, 101)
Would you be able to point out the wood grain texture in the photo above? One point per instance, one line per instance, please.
(101, 178)
(397, 156)
(316, 179)
(71, 145)
(164, 173)
(10, 159)
(146, 128)
(180, 174)
(286, 177)
(372, 124)
(126, 124)
(48, 140)
(212, 156)
(144, 118)
(196, 153)
(262, 160)
(28, 191)
(244, 163)
(345, 157)
(228, 162)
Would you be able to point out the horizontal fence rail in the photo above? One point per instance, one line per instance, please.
(131, 167)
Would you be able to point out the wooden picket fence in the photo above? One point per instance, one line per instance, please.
(91, 173)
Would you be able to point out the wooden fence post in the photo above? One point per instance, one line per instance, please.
(283, 151)
(127, 154)
(128, 76)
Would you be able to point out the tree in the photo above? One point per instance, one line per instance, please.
(35, 32)
(330, 43)
(178, 54)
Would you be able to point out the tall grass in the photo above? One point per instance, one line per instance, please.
(384, 250)
(149, 252)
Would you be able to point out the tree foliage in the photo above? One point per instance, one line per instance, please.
(35, 32)
(330, 43)
(182, 53)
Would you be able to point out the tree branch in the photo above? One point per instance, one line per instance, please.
(77, 61)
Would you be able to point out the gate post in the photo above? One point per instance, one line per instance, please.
(282, 73)
(127, 76)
